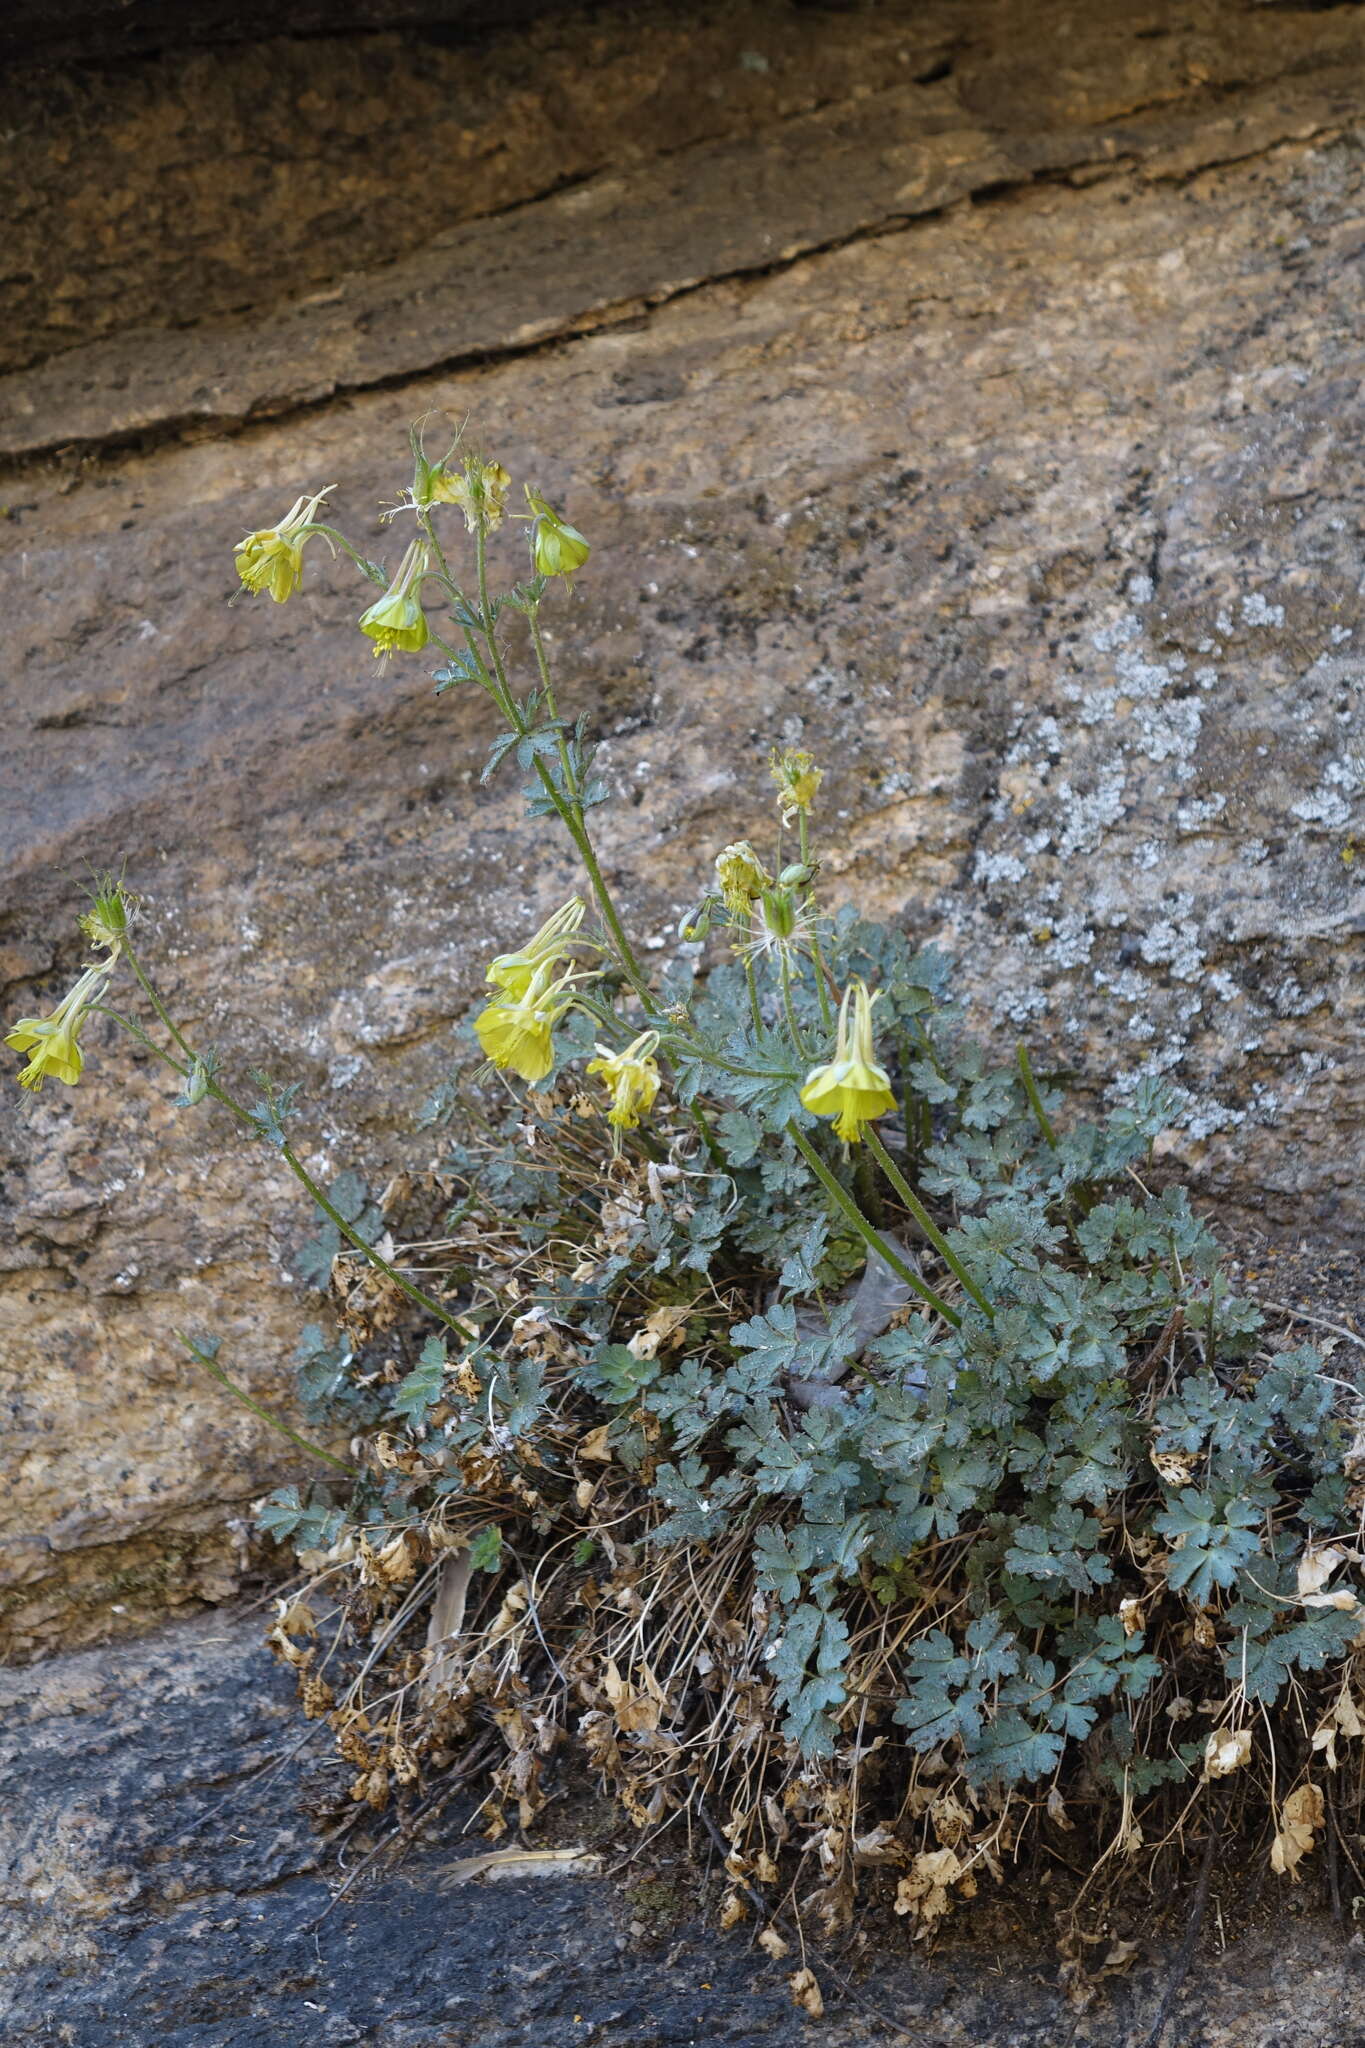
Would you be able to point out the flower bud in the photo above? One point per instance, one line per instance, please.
(799, 875)
(697, 922)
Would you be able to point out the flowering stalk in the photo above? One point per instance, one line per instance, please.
(871, 1236)
(926, 1221)
(197, 1067)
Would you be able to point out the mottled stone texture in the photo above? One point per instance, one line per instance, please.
(1035, 514)
(164, 1888)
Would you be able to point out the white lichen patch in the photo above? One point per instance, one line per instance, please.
(1331, 804)
(1175, 941)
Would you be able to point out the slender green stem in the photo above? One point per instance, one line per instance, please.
(155, 1000)
(300, 1172)
(1035, 1099)
(542, 660)
(135, 1030)
(754, 1011)
(822, 974)
(487, 619)
(625, 953)
(798, 1036)
(823, 979)
(873, 1238)
(567, 802)
(925, 1220)
(708, 1137)
(210, 1364)
(693, 1051)
(366, 567)
(414, 1294)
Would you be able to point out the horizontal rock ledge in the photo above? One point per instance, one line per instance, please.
(605, 249)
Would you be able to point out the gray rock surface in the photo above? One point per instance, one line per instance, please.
(163, 1889)
(1034, 514)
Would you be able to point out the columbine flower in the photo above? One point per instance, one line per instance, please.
(52, 1040)
(272, 559)
(516, 1034)
(852, 1088)
(631, 1076)
(742, 877)
(396, 620)
(480, 489)
(557, 548)
(513, 972)
(797, 779)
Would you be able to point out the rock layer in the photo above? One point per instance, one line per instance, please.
(1029, 501)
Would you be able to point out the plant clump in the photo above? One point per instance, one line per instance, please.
(786, 1411)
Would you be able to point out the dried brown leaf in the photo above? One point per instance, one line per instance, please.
(805, 1992)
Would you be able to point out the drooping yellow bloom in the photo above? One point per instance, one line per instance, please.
(742, 877)
(52, 1039)
(631, 1077)
(516, 1033)
(272, 558)
(479, 489)
(396, 620)
(557, 549)
(853, 1087)
(512, 972)
(797, 779)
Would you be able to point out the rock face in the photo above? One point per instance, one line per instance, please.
(980, 409)
(164, 1890)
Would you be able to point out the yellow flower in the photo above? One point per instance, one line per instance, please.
(631, 1076)
(396, 620)
(52, 1040)
(557, 548)
(272, 559)
(852, 1088)
(516, 1033)
(742, 877)
(797, 779)
(512, 972)
(479, 489)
